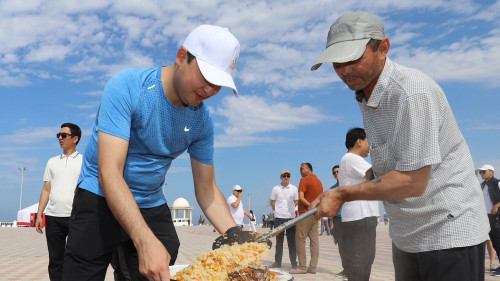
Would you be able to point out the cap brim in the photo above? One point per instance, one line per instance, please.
(342, 52)
(216, 75)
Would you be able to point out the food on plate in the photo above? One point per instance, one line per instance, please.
(251, 273)
(217, 264)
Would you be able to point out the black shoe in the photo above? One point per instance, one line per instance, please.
(294, 266)
(275, 265)
(340, 274)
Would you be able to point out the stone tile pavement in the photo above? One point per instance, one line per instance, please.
(23, 254)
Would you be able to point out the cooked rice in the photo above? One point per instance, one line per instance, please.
(215, 265)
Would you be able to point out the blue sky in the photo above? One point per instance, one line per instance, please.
(56, 56)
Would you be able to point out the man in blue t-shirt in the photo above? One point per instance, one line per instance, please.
(147, 118)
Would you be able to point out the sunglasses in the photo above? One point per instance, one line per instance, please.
(482, 172)
(239, 190)
(335, 173)
(63, 135)
(285, 176)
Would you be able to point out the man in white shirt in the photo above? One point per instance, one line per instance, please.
(284, 198)
(236, 206)
(359, 218)
(491, 193)
(60, 179)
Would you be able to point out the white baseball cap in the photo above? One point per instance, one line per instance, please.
(237, 187)
(216, 51)
(486, 167)
(348, 37)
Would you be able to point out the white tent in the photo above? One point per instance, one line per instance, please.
(23, 216)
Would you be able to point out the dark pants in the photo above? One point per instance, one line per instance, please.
(56, 231)
(455, 264)
(290, 239)
(338, 235)
(94, 235)
(495, 233)
(359, 243)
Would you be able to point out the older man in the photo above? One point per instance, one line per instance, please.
(491, 193)
(284, 198)
(422, 164)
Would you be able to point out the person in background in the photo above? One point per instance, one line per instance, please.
(264, 220)
(491, 194)
(284, 198)
(236, 206)
(270, 220)
(60, 180)
(421, 162)
(310, 187)
(359, 217)
(336, 227)
(325, 227)
(147, 118)
(253, 221)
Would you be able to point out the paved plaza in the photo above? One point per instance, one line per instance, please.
(23, 254)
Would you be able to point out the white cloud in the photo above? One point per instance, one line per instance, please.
(29, 135)
(280, 41)
(250, 116)
(473, 59)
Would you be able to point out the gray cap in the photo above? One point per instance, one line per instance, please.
(348, 37)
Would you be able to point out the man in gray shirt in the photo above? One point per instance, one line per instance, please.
(422, 165)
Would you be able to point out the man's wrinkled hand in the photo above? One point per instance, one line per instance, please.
(328, 203)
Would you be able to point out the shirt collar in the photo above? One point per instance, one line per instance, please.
(73, 155)
(380, 88)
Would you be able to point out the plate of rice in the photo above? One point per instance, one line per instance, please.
(216, 264)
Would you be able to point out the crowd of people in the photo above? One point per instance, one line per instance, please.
(105, 207)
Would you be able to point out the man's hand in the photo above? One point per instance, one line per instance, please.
(494, 210)
(39, 224)
(329, 203)
(369, 174)
(154, 260)
(240, 195)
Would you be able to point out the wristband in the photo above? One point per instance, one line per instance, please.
(233, 229)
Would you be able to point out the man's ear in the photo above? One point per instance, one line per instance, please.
(384, 46)
(181, 56)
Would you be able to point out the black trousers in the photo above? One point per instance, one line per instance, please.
(495, 233)
(56, 231)
(94, 235)
(290, 239)
(455, 264)
(359, 242)
(338, 234)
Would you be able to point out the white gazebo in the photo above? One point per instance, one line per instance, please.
(182, 213)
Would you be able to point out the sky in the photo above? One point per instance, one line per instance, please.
(56, 57)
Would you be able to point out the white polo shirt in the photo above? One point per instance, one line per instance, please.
(62, 172)
(284, 197)
(351, 172)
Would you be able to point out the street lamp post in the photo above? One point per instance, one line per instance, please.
(22, 179)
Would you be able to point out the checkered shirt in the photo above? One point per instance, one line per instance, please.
(409, 125)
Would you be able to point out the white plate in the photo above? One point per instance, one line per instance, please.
(281, 276)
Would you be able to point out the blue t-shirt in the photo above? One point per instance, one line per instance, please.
(134, 107)
(334, 186)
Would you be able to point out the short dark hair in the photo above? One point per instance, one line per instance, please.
(308, 165)
(75, 130)
(374, 43)
(353, 135)
(190, 57)
(336, 166)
